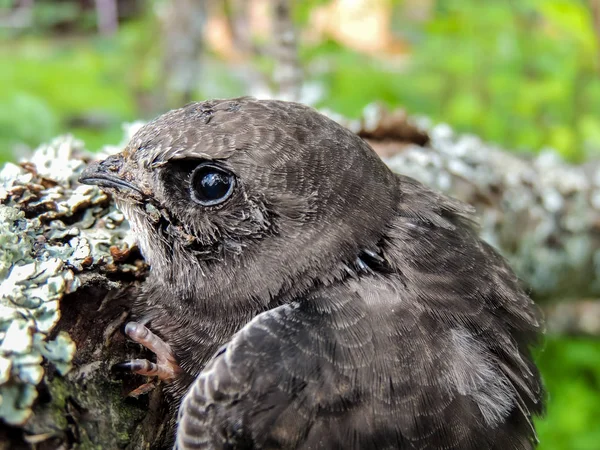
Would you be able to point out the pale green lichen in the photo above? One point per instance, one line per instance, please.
(535, 210)
(51, 230)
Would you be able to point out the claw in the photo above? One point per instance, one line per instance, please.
(124, 366)
(139, 366)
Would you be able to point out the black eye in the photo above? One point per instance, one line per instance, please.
(211, 185)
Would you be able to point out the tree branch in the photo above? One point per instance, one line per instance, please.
(542, 213)
(288, 73)
(70, 242)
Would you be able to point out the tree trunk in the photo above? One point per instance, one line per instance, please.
(69, 270)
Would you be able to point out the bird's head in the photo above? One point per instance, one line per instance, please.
(246, 199)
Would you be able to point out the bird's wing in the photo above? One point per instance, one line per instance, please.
(351, 368)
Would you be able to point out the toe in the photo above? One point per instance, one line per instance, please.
(165, 368)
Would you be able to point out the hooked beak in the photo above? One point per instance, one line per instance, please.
(109, 173)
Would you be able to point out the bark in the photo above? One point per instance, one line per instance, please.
(107, 16)
(541, 212)
(182, 26)
(65, 242)
(288, 73)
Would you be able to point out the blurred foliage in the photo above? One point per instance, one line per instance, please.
(571, 371)
(47, 88)
(524, 74)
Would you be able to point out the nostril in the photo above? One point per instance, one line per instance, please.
(112, 163)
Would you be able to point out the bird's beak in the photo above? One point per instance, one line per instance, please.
(110, 173)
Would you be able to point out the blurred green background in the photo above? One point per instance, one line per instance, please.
(524, 74)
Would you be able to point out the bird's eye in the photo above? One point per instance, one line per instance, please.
(211, 185)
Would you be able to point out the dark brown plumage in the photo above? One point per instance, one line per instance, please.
(312, 298)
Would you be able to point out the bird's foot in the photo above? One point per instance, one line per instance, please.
(165, 368)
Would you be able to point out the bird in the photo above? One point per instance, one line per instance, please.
(303, 296)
